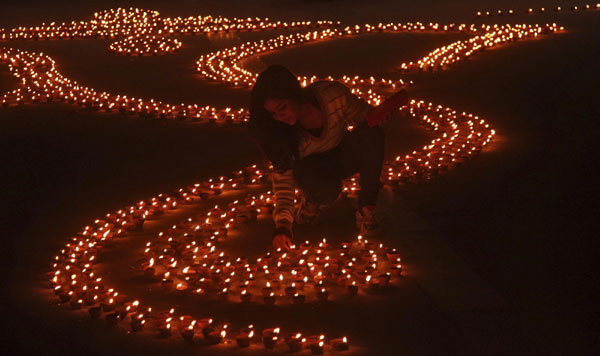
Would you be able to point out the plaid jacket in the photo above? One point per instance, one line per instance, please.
(341, 109)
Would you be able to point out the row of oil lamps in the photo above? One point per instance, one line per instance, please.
(572, 8)
(223, 66)
(146, 45)
(196, 239)
(42, 82)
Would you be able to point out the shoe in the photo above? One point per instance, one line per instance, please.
(307, 213)
(367, 222)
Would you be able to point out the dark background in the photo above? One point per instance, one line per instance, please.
(522, 215)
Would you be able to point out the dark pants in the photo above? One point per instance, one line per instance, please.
(361, 151)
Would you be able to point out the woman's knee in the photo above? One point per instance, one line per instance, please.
(323, 193)
(317, 184)
(304, 171)
(371, 140)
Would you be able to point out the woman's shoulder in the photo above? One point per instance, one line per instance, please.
(328, 89)
(326, 85)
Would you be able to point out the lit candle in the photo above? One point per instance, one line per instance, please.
(246, 296)
(137, 322)
(269, 299)
(295, 342)
(188, 333)
(223, 295)
(270, 337)
(270, 342)
(243, 339)
(340, 344)
(317, 348)
(299, 299)
(76, 303)
(202, 323)
(216, 336)
(322, 295)
(164, 330)
(396, 269)
(266, 291)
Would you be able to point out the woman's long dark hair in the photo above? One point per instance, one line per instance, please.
(279, 141)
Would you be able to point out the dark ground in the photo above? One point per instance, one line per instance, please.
(515, 224)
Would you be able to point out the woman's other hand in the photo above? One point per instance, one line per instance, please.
(282, 237)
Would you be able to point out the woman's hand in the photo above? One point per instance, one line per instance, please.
(282, 237)
(282, 241)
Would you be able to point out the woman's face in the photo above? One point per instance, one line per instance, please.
(283, 110)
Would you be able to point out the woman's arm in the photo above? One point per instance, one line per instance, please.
(283, 214)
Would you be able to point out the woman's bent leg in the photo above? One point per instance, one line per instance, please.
(362, 151)
(318, 176)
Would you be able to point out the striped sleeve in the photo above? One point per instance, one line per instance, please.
(354, 108)
(284, 189)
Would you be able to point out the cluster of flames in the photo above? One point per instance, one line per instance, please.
(145, 32)
(187, 258)
(223, 66)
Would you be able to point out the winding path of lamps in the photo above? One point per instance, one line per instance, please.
(541, 10)
(145, 32)
(188, 257)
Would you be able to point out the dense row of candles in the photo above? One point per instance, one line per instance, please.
(146, 33)
(223, 66)
(42, 82)
(146, 45)
(541, 10)
(187, 258)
